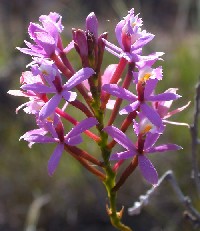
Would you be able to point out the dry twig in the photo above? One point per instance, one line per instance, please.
(195, 140)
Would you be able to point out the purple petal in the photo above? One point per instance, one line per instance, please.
(51, 29)
(33, 29)
(73, 141)
(118, 32)
(47, 42)
(39, 131)
(151, 114)
(122, 155)
(112, 48)
(113, 52)
(149, 88)
(38, 87)
(164, 148)
(136, 127)
(163, 97)
(147, 169)
(31, 46)
(69, 95)
(69, 47)
(169, 114)
(149, 60)
(35, 51)
(17, 93)
(120, 92)
(135, 76)
(50, 127)
(79, 77)
(151, 140)
(55, 159)
(50, 106)
(158, 73)
(131, 57)
(39, 139)
(108, 73)
(120, 138)
(82, 126)
(131, 107)
(54, 18)
(143, 41)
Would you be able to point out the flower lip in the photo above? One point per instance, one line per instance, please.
(146, 126)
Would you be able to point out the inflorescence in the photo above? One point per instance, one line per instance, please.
(52, 84)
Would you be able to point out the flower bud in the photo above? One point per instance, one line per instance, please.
(92, 24)
(80, 42)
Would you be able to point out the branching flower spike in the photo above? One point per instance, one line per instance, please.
(52, 85)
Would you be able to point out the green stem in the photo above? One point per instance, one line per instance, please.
(110, 182)
(115, 217)
(110, 179)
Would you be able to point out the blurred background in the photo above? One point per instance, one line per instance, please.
(73, 199)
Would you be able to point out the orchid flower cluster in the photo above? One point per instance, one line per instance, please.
(51, 85)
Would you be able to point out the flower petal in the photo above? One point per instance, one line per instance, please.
(82, 126)
(69, 47)
(143, 41)
(69, 95)
(147, 169)
(50, 106)
(150, 86)
(149, 60)
(108, 73)
(39, 139)
(79, 77)
(122, 155)
(47, 42)
(119, 92)
(17, 93)
(39, 131)
(38, 87)
(33, 29)
(151, 139)
(169, 114)
(75, 140)
(131, 107)
(164, 148)
(118, 31)
(55, 159)
(112, 47)
(151, 114)
(163, 97)
(120, 138)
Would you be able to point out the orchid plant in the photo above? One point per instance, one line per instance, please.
(51, 84)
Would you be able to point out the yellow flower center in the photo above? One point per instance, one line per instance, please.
(49, 119)
(146, 129)
(44, 72)
(133, 24)
(145, 77)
